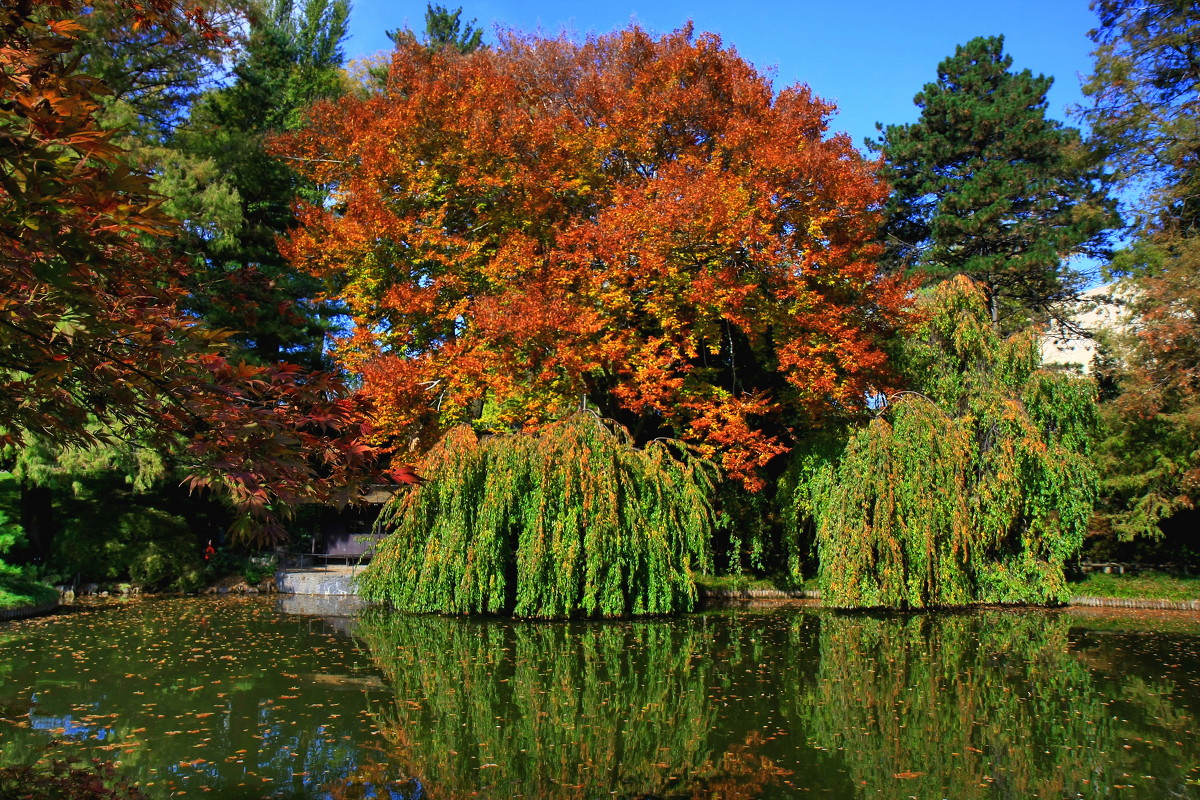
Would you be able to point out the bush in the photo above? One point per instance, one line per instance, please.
(17, 587)
(258, 569)
(17, 591)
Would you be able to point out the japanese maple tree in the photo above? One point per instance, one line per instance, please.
(640, 224)
(91, 329)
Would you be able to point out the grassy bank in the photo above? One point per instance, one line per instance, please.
(1145, 585)
(18, 592)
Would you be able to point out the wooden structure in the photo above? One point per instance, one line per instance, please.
(349, 534)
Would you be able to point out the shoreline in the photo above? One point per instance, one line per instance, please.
(1081, 601)
(23, 612)
(341, 589)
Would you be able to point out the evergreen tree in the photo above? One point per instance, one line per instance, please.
(985, 185)
(291, 59)
(152, 76)
(162, 86)
(444, 30)
(204, 146)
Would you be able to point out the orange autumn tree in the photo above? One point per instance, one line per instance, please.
(638, 223)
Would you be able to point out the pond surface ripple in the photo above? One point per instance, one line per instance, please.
(234, 698)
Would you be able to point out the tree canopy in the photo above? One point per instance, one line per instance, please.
(985, 185)
(1145, 92)
(85, 325)
(573, 521)
(291, 58)
(444, 28)
(1145, 103)
(640, 222)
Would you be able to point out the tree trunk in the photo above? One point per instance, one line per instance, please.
(37, 518)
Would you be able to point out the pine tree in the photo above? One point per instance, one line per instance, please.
(291, 59)
(200, 132)
(444, 29)
(152, 77)
(986, 185)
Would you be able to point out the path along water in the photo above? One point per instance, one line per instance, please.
(236, 698)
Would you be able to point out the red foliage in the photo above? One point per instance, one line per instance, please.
(638, 220)
(90, 325)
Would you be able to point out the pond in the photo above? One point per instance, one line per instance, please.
(234, 698)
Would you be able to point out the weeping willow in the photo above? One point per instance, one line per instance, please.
(573, 521)
(974, 489)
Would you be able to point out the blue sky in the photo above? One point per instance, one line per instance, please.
(868, 56)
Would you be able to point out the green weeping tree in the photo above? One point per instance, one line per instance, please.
(974, 487)
(573, 521)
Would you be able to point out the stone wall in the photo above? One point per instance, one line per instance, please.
(331, 581)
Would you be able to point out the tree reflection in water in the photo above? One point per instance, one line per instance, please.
(234, 698)
(988, 703)
(981, 704)
(560, 710)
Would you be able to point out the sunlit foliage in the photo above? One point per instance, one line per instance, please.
(1144, 107)
(1145, 93)
(291, 56)
(1150, 457)
(642, 221)
(976, 488)
(572, 521)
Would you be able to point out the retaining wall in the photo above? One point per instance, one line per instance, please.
(1130, 602)
(27, 611)
(815, 594)
(333, 582)
(336, 582)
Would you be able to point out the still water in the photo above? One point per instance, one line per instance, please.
(235, 698)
